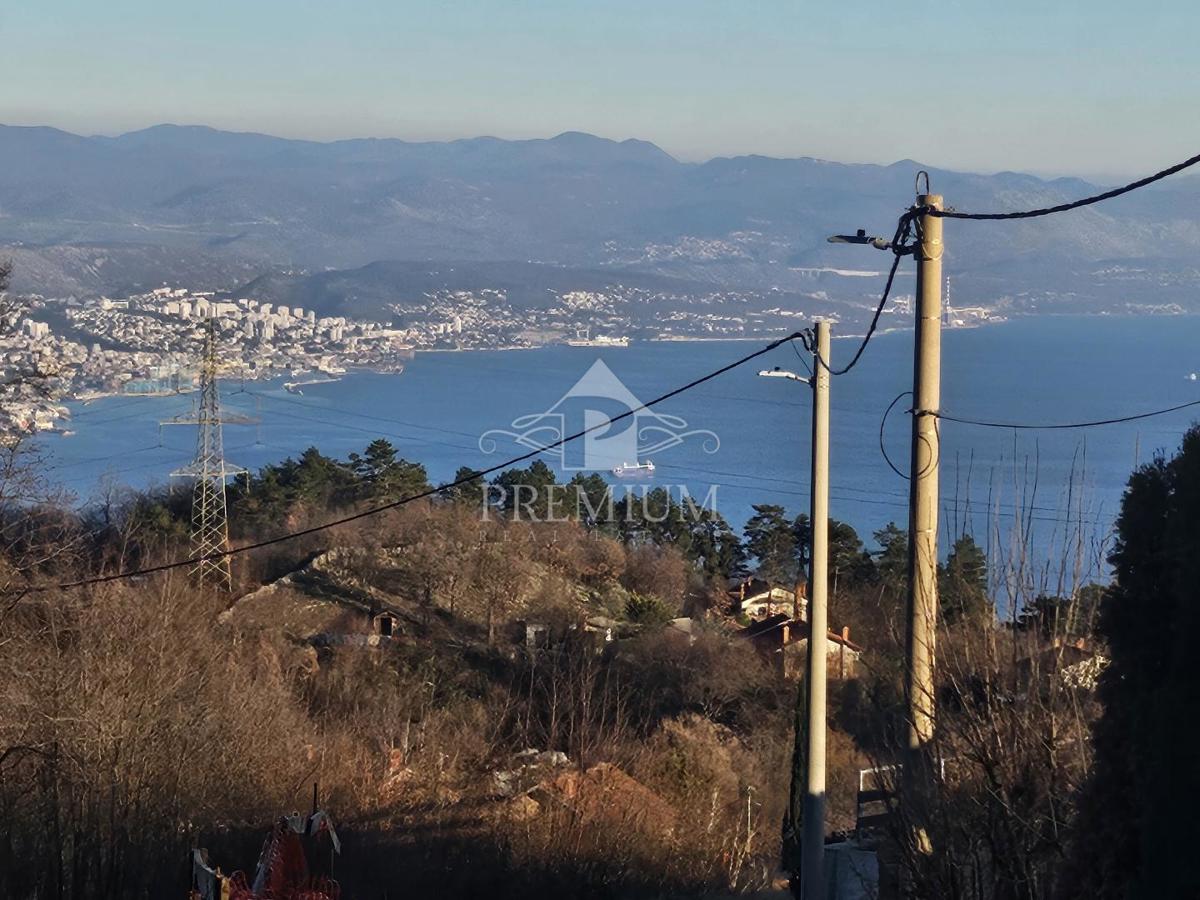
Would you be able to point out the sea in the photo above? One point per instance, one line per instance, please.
(735, 441)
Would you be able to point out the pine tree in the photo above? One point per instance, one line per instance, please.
(962, 583)
(770, 540)
(891, 566)
(849, 562)
(471, 493)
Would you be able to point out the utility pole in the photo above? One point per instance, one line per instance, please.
(812, 872)
(923, 524)
(804, 821)
(208, 471)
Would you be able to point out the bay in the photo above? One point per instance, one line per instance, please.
(1062, 487)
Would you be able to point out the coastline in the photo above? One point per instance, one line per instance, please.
(91, 396)
(427, 418)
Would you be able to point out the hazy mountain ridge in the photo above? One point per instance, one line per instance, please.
(88, 270)
(573, 200)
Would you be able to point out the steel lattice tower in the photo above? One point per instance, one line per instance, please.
(208, 471)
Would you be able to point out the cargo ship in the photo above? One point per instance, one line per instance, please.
(584, 340)
(625, 470)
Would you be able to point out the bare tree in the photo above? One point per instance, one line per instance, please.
(1015, 700)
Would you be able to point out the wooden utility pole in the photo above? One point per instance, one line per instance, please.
(812, 873)
(923, 523)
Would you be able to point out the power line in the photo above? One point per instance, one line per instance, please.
(898, 247)
(109, 408)
(1064, 207)
(85, 479)
(774, 482)
(110, 420)
(99, 459)
(371, 432)
(1006, 509)
(904, 225)
(227, 552)
(351, 412)
(1026, 426)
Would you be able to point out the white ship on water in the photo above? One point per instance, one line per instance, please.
(626, 470)
(584, 339)
(297, 387)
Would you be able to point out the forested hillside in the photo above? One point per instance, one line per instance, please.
(571, 706)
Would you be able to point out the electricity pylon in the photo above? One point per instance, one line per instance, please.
(208, 471)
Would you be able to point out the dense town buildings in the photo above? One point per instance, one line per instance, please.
(148, 343)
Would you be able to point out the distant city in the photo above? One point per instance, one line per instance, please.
(148, 343)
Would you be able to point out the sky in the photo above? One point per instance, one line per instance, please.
(1094, 88)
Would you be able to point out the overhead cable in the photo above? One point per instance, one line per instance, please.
(421, 495)
(1065, 207)
(1054, 426)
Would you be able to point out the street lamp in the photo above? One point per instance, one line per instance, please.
(860, 237)
(783, 373)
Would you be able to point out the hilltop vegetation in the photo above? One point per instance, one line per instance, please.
(535, 719)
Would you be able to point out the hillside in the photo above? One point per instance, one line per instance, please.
(494, 698)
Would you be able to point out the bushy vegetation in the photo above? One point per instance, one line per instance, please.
(144, 716)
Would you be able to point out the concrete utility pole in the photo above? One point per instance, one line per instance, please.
(812, 872)
(923, 522)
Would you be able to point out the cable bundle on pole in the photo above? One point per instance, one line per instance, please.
(899, 247)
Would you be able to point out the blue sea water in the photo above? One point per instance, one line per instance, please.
(1048, 369)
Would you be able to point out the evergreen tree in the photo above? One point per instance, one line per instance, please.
(962, 583)
(714, 546)
(588, 499)
(802, 541)
(654, 517)
(1045, 614)
(645, 609)
(471, 493)
(891, 566)
(849, 562)
(376, 460)
(381, 476)
(700, 534)
(264, 501)
(1135, 823)
(526, 493)
(318, 479)
(769, 538)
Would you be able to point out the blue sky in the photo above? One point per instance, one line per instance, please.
(1096, 88)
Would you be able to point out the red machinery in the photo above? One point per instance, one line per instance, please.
(296, 863)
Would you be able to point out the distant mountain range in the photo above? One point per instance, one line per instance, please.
(186, 204)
